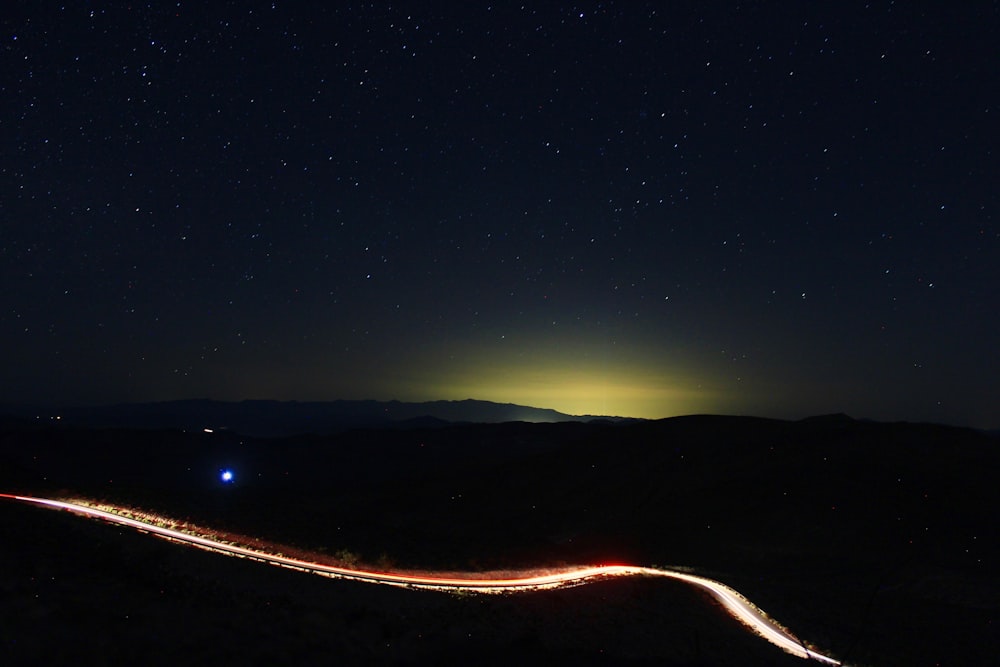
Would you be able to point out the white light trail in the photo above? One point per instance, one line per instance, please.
(737, 605)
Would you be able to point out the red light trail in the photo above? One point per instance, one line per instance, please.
(734, 603)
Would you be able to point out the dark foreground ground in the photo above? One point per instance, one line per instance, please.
(77, 592)
(875, 542)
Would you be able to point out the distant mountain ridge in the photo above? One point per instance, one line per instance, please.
(267, 418)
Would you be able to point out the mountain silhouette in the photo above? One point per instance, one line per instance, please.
(267, 418)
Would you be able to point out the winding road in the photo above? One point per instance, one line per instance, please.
(737, 605)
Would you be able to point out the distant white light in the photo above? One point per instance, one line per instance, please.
(226, 476)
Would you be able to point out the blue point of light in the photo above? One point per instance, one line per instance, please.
(226, 476)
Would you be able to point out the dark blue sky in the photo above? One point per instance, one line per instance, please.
(652, 209)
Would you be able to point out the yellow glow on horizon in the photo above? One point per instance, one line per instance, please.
(585, 399)
(573, 386)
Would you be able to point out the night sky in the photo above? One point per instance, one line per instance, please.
(646, 209)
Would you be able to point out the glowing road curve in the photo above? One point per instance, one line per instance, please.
(734, 603)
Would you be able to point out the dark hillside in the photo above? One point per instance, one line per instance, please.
(79, 592)
(873, 540)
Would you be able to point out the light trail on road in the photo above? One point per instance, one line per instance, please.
(733, 602)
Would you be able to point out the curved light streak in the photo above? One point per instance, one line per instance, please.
(733, 602)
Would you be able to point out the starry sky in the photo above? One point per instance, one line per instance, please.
(645, 209)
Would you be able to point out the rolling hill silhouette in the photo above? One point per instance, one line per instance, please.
(262, 418)
(873, 540)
